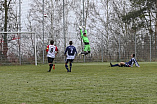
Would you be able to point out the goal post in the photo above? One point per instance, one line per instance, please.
(18, 48)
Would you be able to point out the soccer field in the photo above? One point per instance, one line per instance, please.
(88, 83)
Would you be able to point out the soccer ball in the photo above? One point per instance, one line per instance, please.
(45, 15)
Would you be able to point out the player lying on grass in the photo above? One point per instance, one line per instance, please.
(51, 53)
(85, 41)
(70, 53)
(127, 64)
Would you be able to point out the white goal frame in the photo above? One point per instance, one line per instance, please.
(20, 42)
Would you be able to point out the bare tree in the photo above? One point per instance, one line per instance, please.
(10, 18)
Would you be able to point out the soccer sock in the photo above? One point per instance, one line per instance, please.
(66, 66)
(50, 67)
(70, 66)
(115, 65)
(82, 52)
(86, 53)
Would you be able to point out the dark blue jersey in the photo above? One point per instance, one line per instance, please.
(70, 52)
(132, 61)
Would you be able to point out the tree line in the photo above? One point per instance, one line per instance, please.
(109, 23)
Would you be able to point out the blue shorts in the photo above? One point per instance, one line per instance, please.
(69, 60)
(127, 65)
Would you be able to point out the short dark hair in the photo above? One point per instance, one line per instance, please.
(133, 55)
(70, 42)
(51, 42)
(84, 33)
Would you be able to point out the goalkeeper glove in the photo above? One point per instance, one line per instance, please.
(84, 27)
(80, 27)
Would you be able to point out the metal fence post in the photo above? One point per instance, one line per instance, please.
(102, 49)
(150, 48)
(135, 44)
(119, 46)
(20, 31)
(35, 49)
(43, 32)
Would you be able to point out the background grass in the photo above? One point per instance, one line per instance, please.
(88, 83)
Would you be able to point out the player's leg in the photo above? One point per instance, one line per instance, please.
(84, 53)
(88, 48)
(50, 61)
(66, 66)
(114, 65)
(70, 63)
(70, 66)
(119, 64)
(122, 64)
(85, 50)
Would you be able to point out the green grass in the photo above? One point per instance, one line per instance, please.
(88, 83)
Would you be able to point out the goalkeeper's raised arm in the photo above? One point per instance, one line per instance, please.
(85, 40)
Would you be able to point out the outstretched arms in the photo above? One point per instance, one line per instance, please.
(85, 29)
(80, 27)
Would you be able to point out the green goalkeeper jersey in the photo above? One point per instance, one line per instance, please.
(84, 38)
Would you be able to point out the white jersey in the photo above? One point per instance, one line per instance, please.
(51, 50)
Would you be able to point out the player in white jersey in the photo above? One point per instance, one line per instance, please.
(51, 53)
(128, 64)
(70, 53)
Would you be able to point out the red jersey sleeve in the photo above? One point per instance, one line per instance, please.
(47, 49)
(56, 49)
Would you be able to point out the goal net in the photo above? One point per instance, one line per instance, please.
(18, 48)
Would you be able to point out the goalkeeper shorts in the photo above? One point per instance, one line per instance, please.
(87, 47)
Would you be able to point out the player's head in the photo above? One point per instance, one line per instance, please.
(70, 42)
(84, 34)
(133, 55)
(51, 42)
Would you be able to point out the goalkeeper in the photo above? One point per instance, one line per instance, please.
(85, 41)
